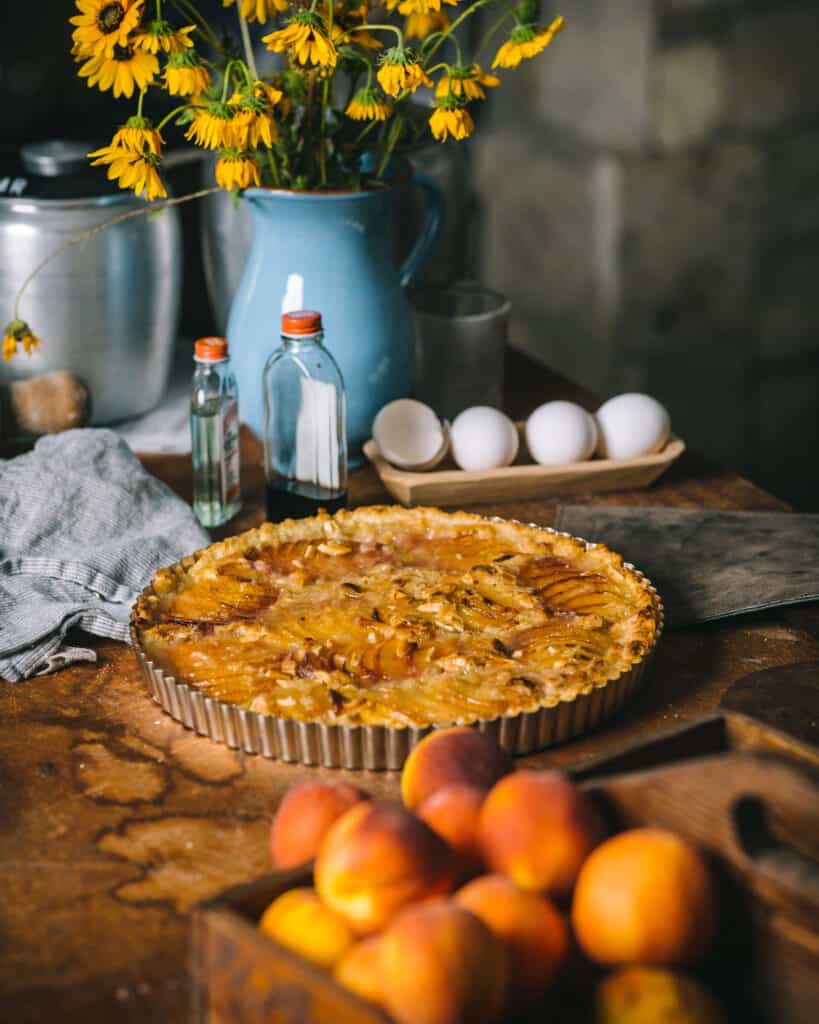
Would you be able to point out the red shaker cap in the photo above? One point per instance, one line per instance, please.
(211, 349)
(301, 321)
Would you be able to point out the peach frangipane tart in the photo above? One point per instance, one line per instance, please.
(393, 616)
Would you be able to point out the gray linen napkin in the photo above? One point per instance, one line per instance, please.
(83, 528)
(708, 564)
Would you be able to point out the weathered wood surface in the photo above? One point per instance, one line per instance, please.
(114, 820)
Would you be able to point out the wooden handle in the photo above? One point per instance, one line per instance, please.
(757, 812)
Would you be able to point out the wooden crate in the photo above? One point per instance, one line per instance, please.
(744, 793)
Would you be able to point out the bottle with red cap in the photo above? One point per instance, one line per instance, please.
(305, 434)
(214, 434)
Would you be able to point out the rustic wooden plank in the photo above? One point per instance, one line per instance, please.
(114, 820)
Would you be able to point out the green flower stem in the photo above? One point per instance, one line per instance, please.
(493, 29)
(140, 102)
(149, 208)
(385, 28)
(228, 69)
(159, 10)
(274, 170)
(187, 10)
(446, 33)
(364, 132)
(392, 139)
(173, 113)
(246, 43)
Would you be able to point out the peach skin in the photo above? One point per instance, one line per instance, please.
(443, 756)
(537, 828)
(359, 970)
(454, 812)
(300, 922)
(532, 929)
(376, 859)
(440, 964)
(644, 896)
(303, 817)
(651, 995)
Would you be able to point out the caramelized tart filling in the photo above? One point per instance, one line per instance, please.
(387, 616)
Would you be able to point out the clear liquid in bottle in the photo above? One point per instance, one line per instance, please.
(214, 436)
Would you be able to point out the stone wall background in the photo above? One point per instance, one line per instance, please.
(649, 191)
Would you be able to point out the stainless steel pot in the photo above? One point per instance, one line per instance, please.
(107, 309)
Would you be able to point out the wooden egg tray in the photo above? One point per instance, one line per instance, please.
(523, 480)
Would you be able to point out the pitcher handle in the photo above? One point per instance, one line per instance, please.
(430, 230)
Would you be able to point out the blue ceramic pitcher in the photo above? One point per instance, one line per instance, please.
(338, 245)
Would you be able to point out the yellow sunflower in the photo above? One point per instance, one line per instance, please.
(19, 333)
(450, 118)
(258, 10)
(399, 71)
(213, 127)
(185, 74)
(466, 83)
(125, 70)
(138, 134)
(253, 118)
(305, 36)
(253, 127)
(236, 170)
(132, 169)
(409, 7)
(526, 41)
(368, 105)
(269, 93)
(104, 24)
(158, 36)
(419, 26)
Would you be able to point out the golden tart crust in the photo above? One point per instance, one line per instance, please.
(392, 616)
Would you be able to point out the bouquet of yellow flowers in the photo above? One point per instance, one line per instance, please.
(331, 117)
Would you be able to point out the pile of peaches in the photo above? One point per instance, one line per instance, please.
(475, 900)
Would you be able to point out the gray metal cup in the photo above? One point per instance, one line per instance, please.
(461, 335)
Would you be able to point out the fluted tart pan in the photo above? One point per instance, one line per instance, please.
(383, 747)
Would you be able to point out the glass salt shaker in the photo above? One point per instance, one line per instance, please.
(305, 437)
(214, 434)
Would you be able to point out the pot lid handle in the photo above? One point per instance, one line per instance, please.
(55, 157)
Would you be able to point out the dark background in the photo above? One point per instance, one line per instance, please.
(647, 193)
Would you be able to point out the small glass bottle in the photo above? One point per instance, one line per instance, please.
(305, 437)
(214, 434)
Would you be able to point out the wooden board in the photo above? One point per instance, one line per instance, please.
(522, 481)
(759, 824)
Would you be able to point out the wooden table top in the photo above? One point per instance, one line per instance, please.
(115, 820)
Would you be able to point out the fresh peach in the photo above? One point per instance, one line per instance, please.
(537, 828)
(454, 812)
(650, 995)
(377, 858)
(644, 896)
(300, 922)
(303, 817)
(359, 970)
(452, 755)
(440, 964)
(531, 928)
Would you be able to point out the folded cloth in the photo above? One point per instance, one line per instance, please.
(708, 564)
(83, 528)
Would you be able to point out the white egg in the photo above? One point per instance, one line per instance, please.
(483, 438)
(409, 434)
(558, 433)
(632, 425)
